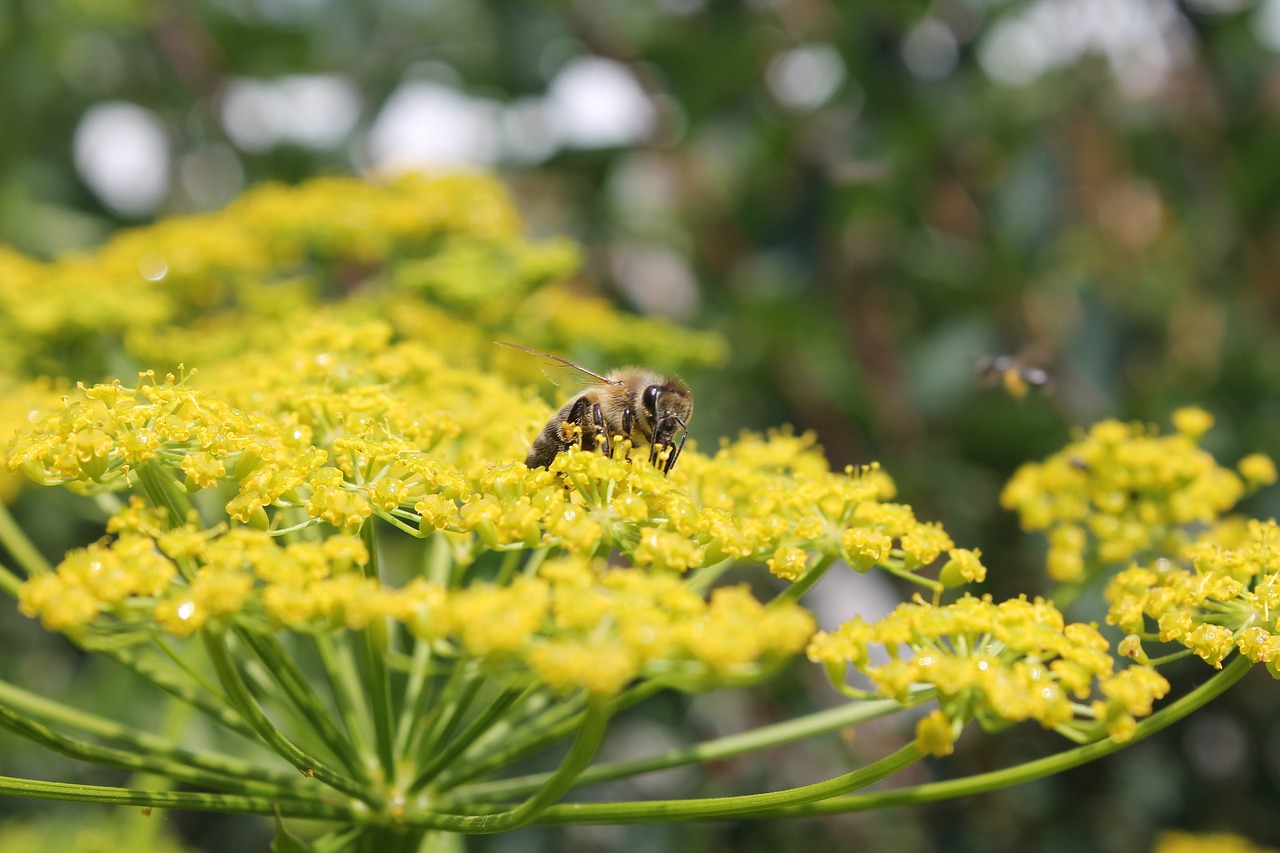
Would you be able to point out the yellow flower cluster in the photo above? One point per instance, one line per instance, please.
(1224, 597)
(300, 424)
(1123, 491)
(995, 662)
(573, 624)
(390, 430)
(440, 259)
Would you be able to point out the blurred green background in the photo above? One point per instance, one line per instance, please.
(866, 199)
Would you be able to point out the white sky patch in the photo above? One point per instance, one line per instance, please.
(1143, 41)
(122, 154)
(598, 103)
(805, 77)
(315, 111)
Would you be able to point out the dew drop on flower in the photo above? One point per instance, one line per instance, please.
(186, 609)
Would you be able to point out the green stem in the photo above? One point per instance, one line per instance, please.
(284, 671)
(451, 717)
(9, 582)
(510, 560)
(1039, 768)
(744, 806)
(765, 737)
(344, 686)
(933, 791)
(481, 724)
(439, 699)
(15, 541)
(248, 707)
(178, 770)
(183, 663)
(222, 714)
(1169, 658)
(911, 577)
(413, 706)
(374, 642)
(580, 754)
(702, 579)
(547, 728)
(439, 561)
(312, 809)
(164, 491)
(119, 734)
(807, 580)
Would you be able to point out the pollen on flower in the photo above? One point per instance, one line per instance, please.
(593, 667)
(1014, 660)
(963, 566)
(1209, 598)
(1192, 422)
(935, 735)
(788, 563)
(494, 619)
(1123, 491)
(1257, 469)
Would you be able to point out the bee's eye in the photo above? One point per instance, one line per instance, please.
(650, 400)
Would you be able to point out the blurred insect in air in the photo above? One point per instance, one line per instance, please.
(633, 403)
(1012, 374)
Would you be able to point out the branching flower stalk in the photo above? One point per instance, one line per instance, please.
(321, 538)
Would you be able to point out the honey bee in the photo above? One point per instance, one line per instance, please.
(1013, 375)
(633, 403)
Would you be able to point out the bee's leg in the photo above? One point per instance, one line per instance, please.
(627, 424)
(602, 432)
(577, 417)
(675, 453)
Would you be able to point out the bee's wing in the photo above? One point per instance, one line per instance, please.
(561, 371)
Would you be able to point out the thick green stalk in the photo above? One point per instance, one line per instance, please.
(248, 707)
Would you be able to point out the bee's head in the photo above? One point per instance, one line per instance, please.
(668, 406)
